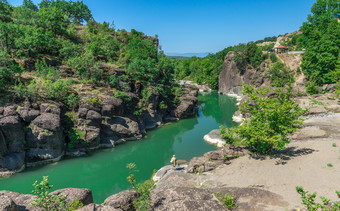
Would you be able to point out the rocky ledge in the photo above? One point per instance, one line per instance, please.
(40, 133)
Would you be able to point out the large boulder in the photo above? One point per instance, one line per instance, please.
(214, 137)
(13, 132)
(98, 207)
(7, 204)
(28, 114)
(112, 106)
(122, 200)
(23, 201)
(185, 198)
(124, 127)
(44, 139)
(47, 121)
(10, 110)
(188, 102)
(83, 195)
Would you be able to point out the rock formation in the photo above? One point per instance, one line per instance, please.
(231, 78)
(35, 134)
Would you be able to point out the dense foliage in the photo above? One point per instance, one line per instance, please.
(321, 35)
(272, 118)
(202, 70)
(51, 35)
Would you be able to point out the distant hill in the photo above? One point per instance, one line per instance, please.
(178, 57)
(202, 54)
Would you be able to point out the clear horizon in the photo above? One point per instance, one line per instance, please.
(200, 26)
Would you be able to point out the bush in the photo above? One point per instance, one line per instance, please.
(46, 201)
(45, 71)
(280, 75)
(7, 70)
(273, 57)
(272, 119)
(144, 190)
(94, 101)
(122, 95)
(228, 200)
(309, 201)
(70, 50)
(312, 88)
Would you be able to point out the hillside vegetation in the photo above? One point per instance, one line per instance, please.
(49, 50)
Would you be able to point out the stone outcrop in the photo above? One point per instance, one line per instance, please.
(211, 160)
(231, 78)
(188, 104)
(184, 198)
(83, 195)
(35, 134)
(122, 200)
(214, 137)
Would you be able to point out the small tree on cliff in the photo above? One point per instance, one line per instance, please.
(273, 118)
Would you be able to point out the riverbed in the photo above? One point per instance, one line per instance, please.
(104, 171)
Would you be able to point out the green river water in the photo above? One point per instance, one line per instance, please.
(104, 171)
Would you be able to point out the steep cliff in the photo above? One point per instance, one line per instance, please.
(231, 78)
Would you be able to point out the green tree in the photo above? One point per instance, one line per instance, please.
(29, 5)
(5, 11)
(53, 19)
(272, 119)
(80, 12)
(45, 3)
(321, 37)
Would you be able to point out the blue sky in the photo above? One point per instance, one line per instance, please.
(196, 26)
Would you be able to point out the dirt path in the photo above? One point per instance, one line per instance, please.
(303, 163)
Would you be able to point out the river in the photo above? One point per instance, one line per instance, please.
(104, 171)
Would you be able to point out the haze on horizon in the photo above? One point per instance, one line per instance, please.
(201, 26)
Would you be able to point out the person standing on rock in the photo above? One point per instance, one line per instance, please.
(173, 162)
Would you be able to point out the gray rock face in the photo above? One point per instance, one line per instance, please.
(13, 131)
(47, 121)
(7, 204)
(213, 159)
(231, 78)
(122, 200)
(28, 115)
(44, 139)
(187, 106)
(3, 146)
(124, 127)
(10, 110)
(21, 200)
(12, 162)
(98, 207)
(184, 198)
(83, 195)
(50, 108)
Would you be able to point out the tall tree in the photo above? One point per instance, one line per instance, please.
(321, 36)
(30, 5)
(5, 11)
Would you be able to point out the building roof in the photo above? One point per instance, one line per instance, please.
(281, 46)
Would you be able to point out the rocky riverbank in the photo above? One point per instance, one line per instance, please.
(40, 133)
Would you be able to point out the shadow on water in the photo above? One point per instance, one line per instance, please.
(104, 171)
